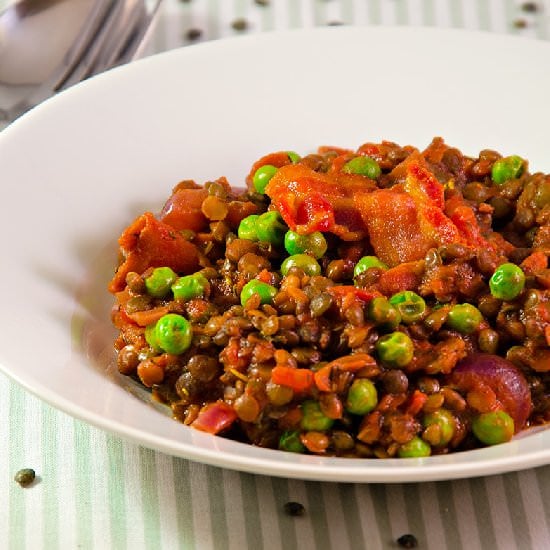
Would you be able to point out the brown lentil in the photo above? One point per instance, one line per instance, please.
(214, 208)
(128, 359)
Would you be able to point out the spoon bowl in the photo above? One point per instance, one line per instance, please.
(49, 45)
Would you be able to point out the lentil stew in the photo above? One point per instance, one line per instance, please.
(383, 302)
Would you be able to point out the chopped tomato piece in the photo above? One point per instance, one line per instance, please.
(315, 442)
(299, 380)
(148, 316)
(416, 402)
(342, 291)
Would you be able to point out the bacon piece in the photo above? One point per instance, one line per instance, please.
(466, 223)
(148, 242)
(310, 201)
(394, 229)
(422, 185)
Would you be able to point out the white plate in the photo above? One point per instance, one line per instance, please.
(77, 169)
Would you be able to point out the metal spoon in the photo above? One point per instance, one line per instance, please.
(49, 45)
(37, 52)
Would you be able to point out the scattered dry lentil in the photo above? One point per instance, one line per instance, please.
(25, 477)
(294, 509)
(193, 34)
(520, 23)
(407, 541)
(240, 24)
(530, 7)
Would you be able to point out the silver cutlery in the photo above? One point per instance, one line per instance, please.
(49, 45)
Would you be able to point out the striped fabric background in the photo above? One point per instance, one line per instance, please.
(96, 491)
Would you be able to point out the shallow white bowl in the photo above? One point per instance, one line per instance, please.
(77, 169)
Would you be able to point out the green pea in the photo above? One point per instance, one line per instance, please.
(507, 282)
(465, 318)
(415, 448)
(362, 396)
(307, 263)
(159, 282)
(445, 422)
(386, 316)
(190, 286)
(366, 262)
(507, 168)
(410, 305)
(173, 333)
(293, 157)
(313, 418)
(270, 228)
(265, 291)
(151, 338)
(290, 441)
(314, 243)
(262, 177)
(364, 166)
(395, 349)
(493, 427)
(247, 228)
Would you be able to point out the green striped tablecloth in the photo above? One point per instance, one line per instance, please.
(96, 491)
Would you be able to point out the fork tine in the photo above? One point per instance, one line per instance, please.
(131, 18)
(86, 36)
(137, 43)
(81, 70)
